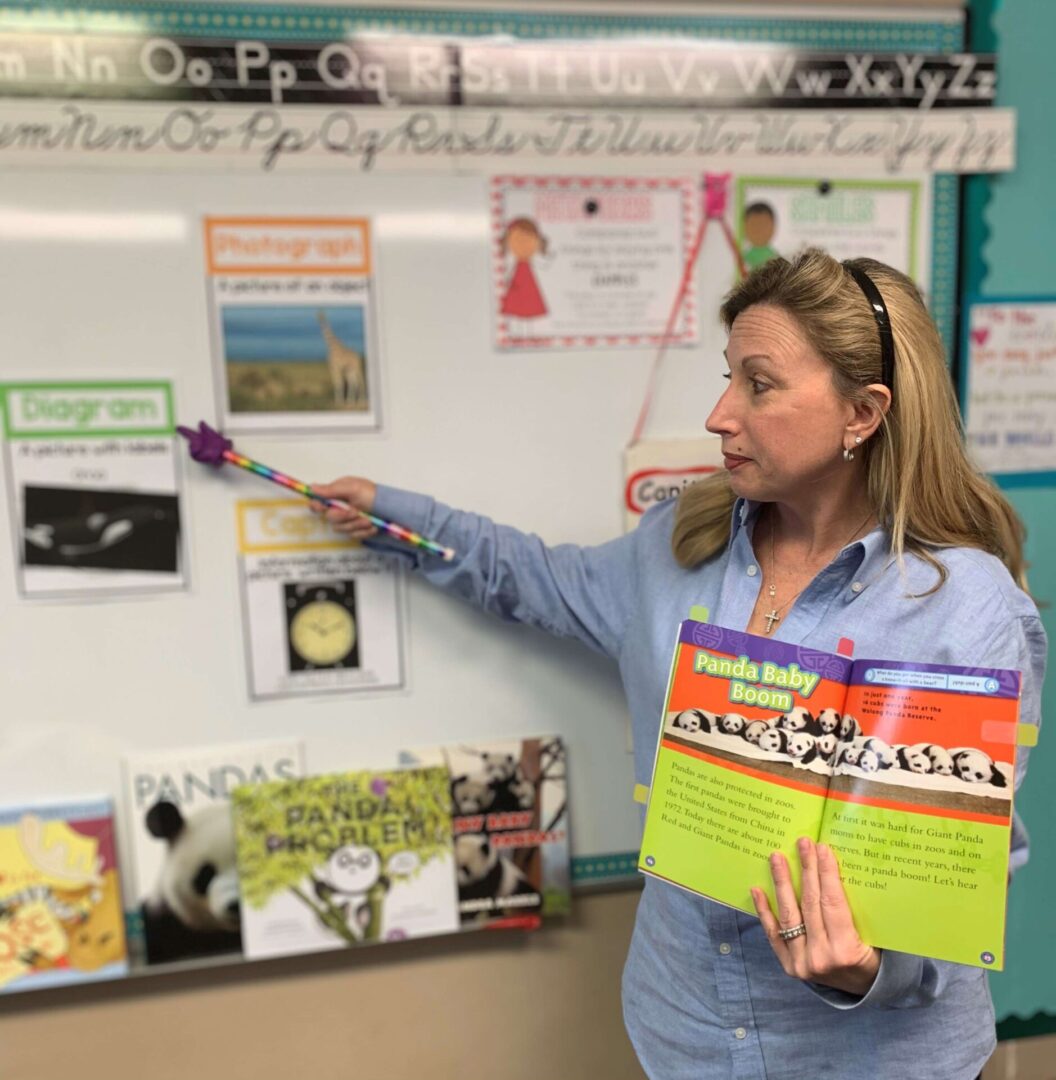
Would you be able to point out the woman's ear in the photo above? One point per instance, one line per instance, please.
(869, 412)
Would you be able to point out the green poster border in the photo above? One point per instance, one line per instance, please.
(163, 385)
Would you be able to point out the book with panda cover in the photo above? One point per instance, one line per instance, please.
(904, 769)
(346, 859)
(180, 837)
(509, 801)
(61, 920)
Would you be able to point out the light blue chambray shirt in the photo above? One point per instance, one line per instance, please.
(704, 997)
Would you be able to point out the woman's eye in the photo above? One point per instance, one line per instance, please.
(759, 387)
(726, 375)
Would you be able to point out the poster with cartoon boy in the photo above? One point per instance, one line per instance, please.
(759, 223)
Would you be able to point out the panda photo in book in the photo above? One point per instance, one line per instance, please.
(509, 789)
(471, 794)
(484, 873)
(193, 910)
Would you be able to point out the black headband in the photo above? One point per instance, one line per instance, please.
(883, 322)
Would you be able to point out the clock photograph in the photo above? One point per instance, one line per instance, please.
(322, 630)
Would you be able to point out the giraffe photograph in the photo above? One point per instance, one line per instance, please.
(295, 358)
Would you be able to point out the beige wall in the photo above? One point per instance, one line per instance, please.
(487, 1006)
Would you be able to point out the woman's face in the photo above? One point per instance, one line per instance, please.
(781, 422)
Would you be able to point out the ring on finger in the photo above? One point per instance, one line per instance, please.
(793, 932)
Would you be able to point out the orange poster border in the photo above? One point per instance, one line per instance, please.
(292, 223)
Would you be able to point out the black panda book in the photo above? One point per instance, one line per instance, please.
(183, 889)
(905, 770)
(509, 807)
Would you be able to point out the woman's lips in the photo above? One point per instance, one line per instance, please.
(732, 461)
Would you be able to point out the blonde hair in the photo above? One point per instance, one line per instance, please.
(919, 479)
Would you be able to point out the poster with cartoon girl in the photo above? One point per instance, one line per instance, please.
(589, 261)
(523, 300)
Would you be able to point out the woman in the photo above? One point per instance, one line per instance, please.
(847, 509)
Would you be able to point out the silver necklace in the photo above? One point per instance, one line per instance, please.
(773, 616)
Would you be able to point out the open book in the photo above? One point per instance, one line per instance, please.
(905, 770)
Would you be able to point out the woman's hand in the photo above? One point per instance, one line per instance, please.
(359, 494)
(830, 952)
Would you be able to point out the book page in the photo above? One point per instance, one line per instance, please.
(920, 807)
(744, 759)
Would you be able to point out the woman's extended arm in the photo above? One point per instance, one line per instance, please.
(570, 591)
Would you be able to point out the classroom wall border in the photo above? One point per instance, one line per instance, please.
(311, 20)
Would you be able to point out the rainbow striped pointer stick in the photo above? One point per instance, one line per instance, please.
(209, 447)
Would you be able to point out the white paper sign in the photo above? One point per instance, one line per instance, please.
(1010, 394)
(656, 470)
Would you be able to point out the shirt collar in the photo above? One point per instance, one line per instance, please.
(873, 551)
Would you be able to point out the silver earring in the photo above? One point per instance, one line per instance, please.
(857, 439)
(848, 455)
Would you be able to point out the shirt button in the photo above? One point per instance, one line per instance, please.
(857, 587)
(753, 570)
(725, 949)
(740, 1033)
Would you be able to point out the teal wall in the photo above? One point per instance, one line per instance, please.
(1019, 257)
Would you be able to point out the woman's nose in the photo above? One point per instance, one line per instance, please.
(721, 420)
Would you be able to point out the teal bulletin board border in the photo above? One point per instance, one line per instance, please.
(619, 867)
(1010, 480)
(309, 21)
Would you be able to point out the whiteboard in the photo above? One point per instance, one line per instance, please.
(104, 276)
(533, 440)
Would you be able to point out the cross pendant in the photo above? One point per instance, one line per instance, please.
(771, 617)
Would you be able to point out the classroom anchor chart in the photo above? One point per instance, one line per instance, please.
(322, 615)
(589, 262)
(93, 487)
(293, 322)
(1009, 398)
